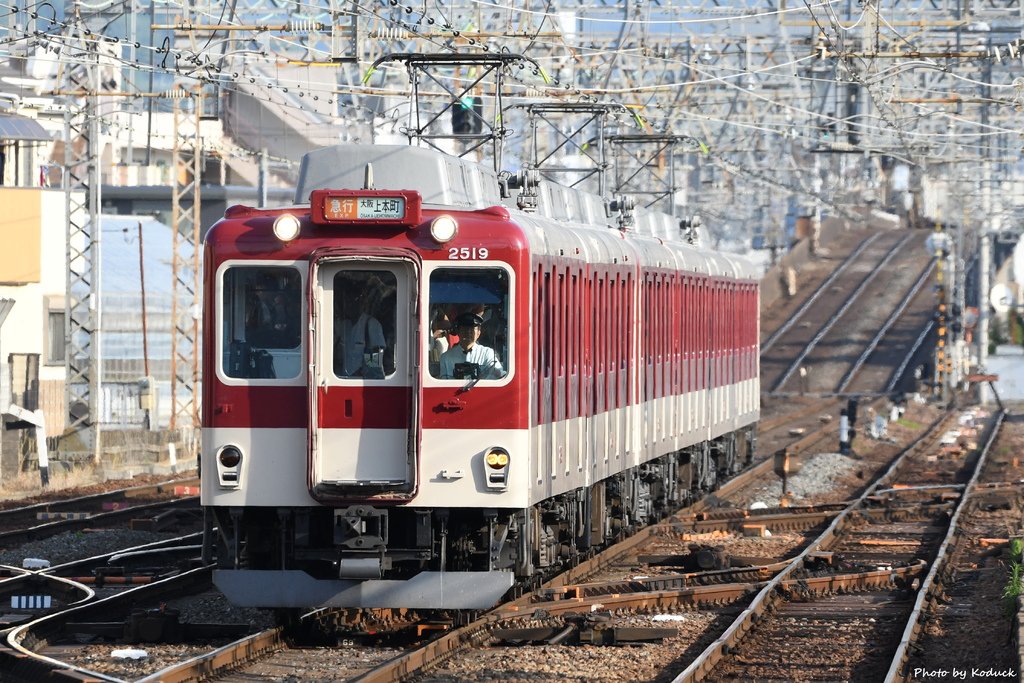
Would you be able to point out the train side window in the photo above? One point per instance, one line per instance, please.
(478, 297)
(365, 323)
(262, 324)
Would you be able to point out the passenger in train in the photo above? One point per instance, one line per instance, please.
(272, 320)
(493, 331)
(359, 338)
(468, 359)
(439, 327)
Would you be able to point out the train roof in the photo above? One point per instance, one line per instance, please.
(441, 179)
(446, 181)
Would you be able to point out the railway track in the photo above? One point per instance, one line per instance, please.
(33, 593)
(854, 637)
(152, 505)
(605, 600)
(609, 580)
(967, 605)
(75, 643)
(845, 339)
(884, 358)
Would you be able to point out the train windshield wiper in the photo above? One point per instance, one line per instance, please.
(479, 375)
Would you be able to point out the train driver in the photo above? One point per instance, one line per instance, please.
(467, 359)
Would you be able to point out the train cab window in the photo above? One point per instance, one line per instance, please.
(469, 326)
(262, 309)
(365, 323)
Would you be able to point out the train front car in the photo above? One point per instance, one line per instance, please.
(414, 396)
(365, 412)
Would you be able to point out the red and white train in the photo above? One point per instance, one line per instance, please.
(348, 460)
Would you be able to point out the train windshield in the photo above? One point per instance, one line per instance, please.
(262, 309)
(468, 323)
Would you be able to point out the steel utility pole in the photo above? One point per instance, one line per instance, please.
(185, 267)
(82, 309)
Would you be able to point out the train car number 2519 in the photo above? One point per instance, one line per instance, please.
(467, 253)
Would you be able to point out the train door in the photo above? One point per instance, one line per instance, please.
(364, 397)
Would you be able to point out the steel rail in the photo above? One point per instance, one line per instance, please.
(22, 663)
(87, 563)
(830, 323)
(886, 326)
(926, 595)
(222, 659)
(68, 591)
(774, 337)
(898, 373)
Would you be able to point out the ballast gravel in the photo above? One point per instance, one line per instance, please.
(817, 476)
(77, 545)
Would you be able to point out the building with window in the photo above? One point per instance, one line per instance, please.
(33, 277)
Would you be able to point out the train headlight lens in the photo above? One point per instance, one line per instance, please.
(230, 456)
(443, 228)
(496, 461)
(496, 458)
(286, 227)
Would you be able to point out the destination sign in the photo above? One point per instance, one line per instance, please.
(364, 208)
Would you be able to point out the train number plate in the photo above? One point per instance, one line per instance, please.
(364, 208)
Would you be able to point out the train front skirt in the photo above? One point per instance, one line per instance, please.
(426, 590)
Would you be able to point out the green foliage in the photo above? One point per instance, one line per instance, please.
(1015, 583)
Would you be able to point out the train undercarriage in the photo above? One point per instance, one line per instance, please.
(359, 543)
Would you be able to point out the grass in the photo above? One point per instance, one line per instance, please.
(29, 483)
(71, 464)
(909, 424)
(1015, 582)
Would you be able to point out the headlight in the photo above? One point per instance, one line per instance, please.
(229, 467)
(230, 456)
(286, 227)
(496, 461)
(496, 458)
(443, 228)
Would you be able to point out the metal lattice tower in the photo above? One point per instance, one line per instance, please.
(185, 265)
(82, 202)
